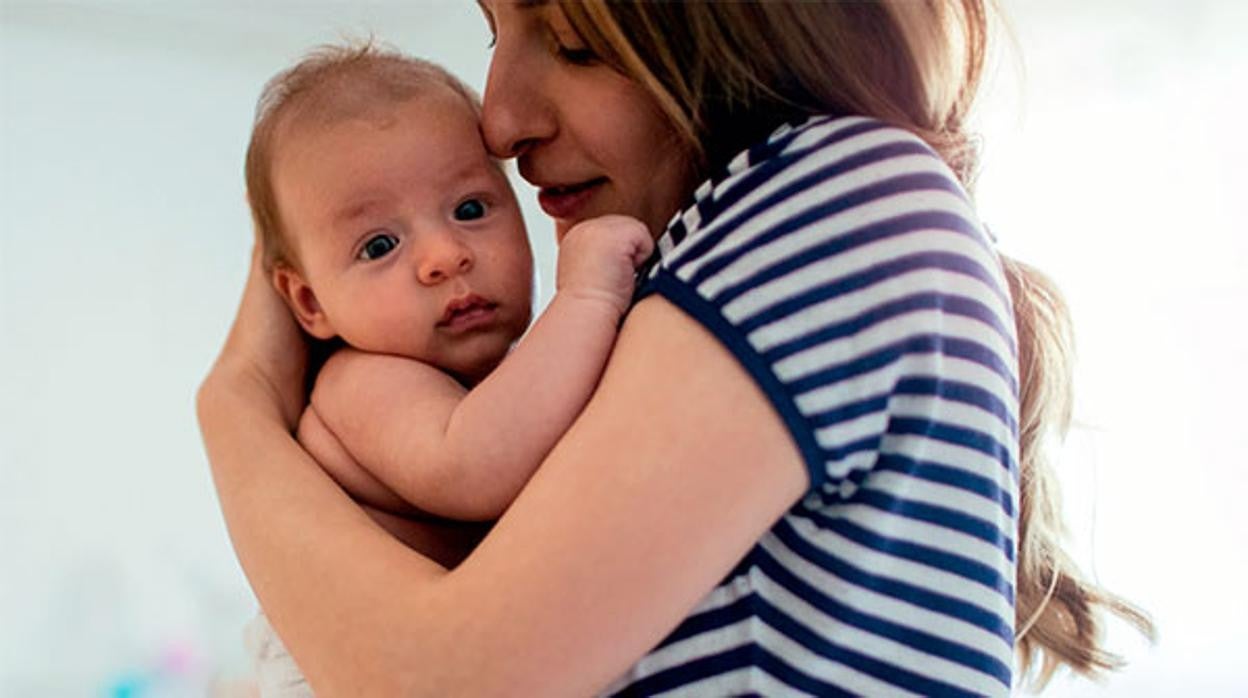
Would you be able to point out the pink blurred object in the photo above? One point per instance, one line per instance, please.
(179, 658)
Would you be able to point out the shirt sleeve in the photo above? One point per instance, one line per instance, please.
(843, 265)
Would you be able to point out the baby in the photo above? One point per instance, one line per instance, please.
(386, 225)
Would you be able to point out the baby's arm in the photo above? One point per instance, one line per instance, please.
(467, 455)
(323, 445)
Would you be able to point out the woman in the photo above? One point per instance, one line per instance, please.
(799, 473)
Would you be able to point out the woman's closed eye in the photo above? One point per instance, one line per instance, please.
(577, 55)
(571, 48)
(470, 210)
(377, 246)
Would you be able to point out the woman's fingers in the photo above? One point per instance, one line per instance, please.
(266, 342)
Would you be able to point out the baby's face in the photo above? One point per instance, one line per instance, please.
(410, 238)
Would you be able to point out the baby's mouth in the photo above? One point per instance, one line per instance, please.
(466, 310)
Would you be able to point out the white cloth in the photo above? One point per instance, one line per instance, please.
(277, 675)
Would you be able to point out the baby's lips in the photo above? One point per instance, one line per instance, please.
(462, 304)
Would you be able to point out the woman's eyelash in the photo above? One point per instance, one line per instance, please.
(570, 47)
(578, 56)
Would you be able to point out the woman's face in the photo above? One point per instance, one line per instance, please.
(591, 140)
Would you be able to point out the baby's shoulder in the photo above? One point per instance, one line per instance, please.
(349, 366)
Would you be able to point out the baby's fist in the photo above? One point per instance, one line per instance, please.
(598, 258)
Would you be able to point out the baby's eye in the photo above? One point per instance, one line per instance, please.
(470, 210)
(378, 246)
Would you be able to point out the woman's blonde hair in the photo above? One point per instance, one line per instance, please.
(728, 73)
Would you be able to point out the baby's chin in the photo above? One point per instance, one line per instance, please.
(468, 363)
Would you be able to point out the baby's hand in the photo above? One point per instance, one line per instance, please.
(598, 258)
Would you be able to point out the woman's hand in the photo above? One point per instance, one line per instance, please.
(265, 349)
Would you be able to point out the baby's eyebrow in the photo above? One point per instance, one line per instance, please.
(358, 208)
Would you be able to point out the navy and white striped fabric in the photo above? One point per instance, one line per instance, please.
(843, 265)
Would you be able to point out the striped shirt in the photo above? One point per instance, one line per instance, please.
(843, 265)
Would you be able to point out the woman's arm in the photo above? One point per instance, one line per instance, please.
(675, 469)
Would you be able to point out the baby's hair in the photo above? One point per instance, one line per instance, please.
(331, 83)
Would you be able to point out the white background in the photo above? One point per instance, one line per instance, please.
(1114, 156)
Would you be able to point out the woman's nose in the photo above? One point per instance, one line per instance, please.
(516, 113)
(442, 257)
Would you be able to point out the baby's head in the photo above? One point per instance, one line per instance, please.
(384, 220)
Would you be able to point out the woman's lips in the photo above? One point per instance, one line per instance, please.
(565, 202)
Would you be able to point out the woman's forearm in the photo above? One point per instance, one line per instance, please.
(312, 556)
(321, 568)
(443, 541)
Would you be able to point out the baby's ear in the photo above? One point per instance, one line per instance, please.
(301, 298)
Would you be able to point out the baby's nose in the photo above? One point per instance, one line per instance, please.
(443, 258)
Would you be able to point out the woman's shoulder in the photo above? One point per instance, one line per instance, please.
(820, 148)
(825, 186)
(831, 136)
